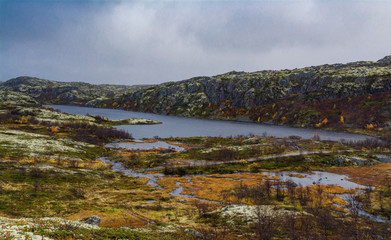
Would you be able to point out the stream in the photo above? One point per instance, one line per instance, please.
(306, 179)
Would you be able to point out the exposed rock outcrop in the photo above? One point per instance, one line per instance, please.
(94, 220)
(17, 98)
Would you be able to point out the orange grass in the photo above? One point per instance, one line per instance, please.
(332, 189)
(169, 183)
(296, 175)
(367, 175)
(208, 188)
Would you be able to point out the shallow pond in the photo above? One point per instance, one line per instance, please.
(145, 145)
(315, 177)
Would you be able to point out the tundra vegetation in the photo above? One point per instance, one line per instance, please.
(52, 180)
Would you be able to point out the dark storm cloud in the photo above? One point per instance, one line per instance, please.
(152, 42)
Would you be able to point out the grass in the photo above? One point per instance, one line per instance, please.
(46, 191)
(227, 149)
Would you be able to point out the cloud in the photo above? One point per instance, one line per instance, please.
(152, 42)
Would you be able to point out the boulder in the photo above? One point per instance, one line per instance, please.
(94, 220)
(194, 232)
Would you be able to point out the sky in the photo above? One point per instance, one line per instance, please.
(150, 42)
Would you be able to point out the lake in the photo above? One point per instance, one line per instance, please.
(174, 126)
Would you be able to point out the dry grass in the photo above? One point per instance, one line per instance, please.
(367, 175)
(58, 161)
(169, 183)
(296, 175)
(183, 145)
(115, 218)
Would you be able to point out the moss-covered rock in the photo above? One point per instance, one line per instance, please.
(17, 98)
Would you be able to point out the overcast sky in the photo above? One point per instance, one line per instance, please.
(148, 42)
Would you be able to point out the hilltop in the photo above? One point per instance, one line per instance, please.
(355, 94)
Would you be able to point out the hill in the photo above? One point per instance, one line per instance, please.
(75, 93)
(353, 94)
(338, 95)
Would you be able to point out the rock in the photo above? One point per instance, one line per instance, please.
(182, 201)
(94, 220)
(194, 232)
(383, 158)
(358, 161)
(16, 98)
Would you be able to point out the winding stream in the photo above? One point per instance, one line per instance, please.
(118, 167)
(306, 179)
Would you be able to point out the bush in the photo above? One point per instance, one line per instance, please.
(371, 143)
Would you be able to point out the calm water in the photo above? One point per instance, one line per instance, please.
(190, 127)
(153, 145)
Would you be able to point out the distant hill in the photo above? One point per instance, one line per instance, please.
(353, 94)
(75, 93)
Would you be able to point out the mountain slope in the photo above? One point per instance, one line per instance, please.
(301, 97)
(353, 94)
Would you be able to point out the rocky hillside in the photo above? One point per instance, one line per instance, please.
(75, 93)
(17, 98)
(353, 94)
(356, 93)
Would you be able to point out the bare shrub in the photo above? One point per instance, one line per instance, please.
(370, 143)
(78, 191)
(315, 137)
(36, 172)
(222, 154)
(264, 225)
(203, 207)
